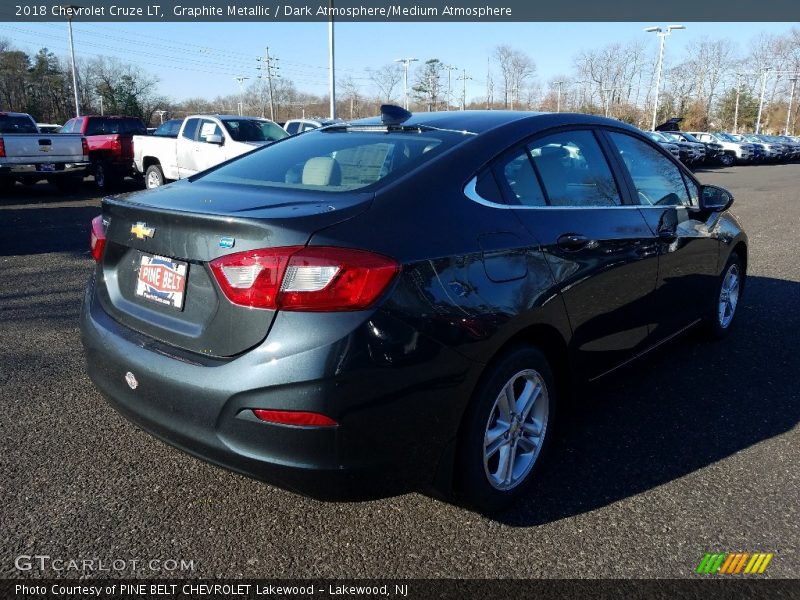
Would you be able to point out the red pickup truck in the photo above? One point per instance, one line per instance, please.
(110, 143)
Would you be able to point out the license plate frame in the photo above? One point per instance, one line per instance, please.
(161, 280)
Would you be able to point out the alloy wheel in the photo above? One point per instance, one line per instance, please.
(728, 296)
(516, 429)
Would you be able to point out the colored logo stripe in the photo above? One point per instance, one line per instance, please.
(733, 563)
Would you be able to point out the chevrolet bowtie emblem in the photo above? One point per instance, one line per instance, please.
(141, 230)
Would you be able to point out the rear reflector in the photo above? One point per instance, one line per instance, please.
(2, 148)
(314, 278)
(291, 417)
(97, 238)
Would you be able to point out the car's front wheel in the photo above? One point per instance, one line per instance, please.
(727, 160)
(153, 177)
(726, 299)
(505, 430)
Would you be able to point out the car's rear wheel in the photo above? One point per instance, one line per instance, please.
(727, 160)
(153, 177)
(104, 178)
(505, 430)
(722, 312)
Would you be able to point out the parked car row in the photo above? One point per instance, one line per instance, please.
(111, 148)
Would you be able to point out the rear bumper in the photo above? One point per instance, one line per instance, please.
(397, 415)
(62, 169)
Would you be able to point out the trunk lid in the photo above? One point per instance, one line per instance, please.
(191, 223)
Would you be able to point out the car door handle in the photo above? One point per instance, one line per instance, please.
(573, 241)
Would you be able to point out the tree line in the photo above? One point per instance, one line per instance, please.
(711, 85)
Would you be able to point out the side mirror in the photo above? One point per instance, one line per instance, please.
(715, 198)
(215, 139)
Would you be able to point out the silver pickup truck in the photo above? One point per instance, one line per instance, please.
(28, 156)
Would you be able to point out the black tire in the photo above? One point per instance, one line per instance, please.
(727, 160)
(717, 326)
(67, 185)
(104, 178)
(474, 473)
(6, 185)
(153, 177)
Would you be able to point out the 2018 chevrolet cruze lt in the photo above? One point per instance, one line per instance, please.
(399, 303)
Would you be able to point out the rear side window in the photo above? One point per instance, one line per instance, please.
(17, 124)
(658, 181)
(67, 128)
(336, 160)
(293, 128)
(573, 170)
(518, 173)
(190, 129)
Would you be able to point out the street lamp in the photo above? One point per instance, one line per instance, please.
(406, 62)
(791, 98)
(662, 33)
(161, 114)
(241, 79)
(558, 102)
(69, 10)
(761, 100)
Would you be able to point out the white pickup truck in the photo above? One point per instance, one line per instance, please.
(28, 156)
(203, 141)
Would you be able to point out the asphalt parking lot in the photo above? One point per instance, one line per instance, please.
(694, 450)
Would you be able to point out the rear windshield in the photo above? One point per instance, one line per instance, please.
(336, 161)
(17, 124)
(252, 130)
(103, 126)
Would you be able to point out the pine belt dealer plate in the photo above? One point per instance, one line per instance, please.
(162, 280)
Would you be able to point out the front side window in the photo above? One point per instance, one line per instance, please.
(208, 128)
(658, 181)
(336, 160)
(573, 170)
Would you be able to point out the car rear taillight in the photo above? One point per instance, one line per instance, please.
(85, 146)
(2, 148)
(97, 238)
(293, 417)
(313, 278)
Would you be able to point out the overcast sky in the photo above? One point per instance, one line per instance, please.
(201, 59)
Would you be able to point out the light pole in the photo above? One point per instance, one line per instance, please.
(406, 62)
(736, 110)
(464, 78)
(331, 65)
(558, 102)
(241, 79)
(662, 33)
(791, 98)
(450, 69)
(607, 93)
(761, 100)
(161, 114)
(69, 11)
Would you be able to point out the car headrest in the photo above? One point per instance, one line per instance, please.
(322, 170)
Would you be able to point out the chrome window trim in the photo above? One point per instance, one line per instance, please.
(471, 192)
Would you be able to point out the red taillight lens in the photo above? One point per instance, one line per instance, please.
(2, 148)
(292, 417)
(85, 146)
(253, 278)
(97, 239)
(301, 278)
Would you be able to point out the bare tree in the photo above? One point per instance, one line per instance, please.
(386, 79)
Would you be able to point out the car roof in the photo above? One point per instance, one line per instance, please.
(480, 121)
